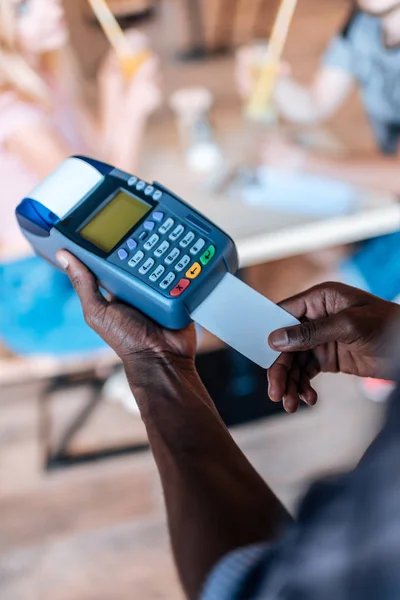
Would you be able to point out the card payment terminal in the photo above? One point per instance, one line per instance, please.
(150, 249)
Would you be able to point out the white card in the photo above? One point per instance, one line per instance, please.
(243, 319)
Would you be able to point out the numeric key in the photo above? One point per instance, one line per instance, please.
(172, 256)
(199, 245)
(187, 240)
(156, 274)
(177, 232)
(145, 268)
(136, 259)
(169, 223)
(161, 250)
(149, 245)
(183, 263)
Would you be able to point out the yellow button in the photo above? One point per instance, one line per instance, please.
(194, 271)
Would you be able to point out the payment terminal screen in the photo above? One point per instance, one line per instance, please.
(114, 221)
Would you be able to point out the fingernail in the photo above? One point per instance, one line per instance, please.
(306, 398)
(310, 398)
(272, 395)
(279, 339)
(290, 405)
(63, 260)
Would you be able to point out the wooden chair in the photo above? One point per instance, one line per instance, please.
(215, 26)
(54, 375)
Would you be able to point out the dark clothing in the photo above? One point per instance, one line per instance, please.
(345, 544)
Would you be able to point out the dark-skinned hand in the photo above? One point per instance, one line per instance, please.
(127, 331)
(342, 330)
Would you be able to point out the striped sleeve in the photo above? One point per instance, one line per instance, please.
(239, 575)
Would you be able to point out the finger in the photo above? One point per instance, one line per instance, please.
(291, 399)
(137, 39)
(291, 402)
(285, 69)
(322, 299)
(278, 376)
(110, 62)
(306, 362)
(147, 71)
(311, 303)
(306, 391)
(94, 304)
(298, 305)
(312, 368)
(110, 72)
(310, 334)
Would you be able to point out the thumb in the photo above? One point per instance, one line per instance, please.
(93, 302)
(310, 334)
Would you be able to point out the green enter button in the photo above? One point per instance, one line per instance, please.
(208, 255)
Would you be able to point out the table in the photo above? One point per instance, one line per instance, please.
(263, 235)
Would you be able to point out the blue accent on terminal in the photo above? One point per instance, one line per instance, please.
(36, 218)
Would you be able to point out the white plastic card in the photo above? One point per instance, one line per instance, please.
(243, 319)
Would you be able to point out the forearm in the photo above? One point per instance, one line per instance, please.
(215, 500)
(297, 103)
(126, 144)
(378, 172)
(120, 132)
(316, 102)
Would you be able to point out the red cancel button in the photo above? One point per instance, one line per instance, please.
(180, 288)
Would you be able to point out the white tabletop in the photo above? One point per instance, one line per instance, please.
(265, 235)
(262, 234)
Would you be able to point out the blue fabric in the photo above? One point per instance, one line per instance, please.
(362, 53)
(377, 263)
(244, 563)
(40, 312)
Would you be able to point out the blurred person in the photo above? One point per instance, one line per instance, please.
(231, 537)
(41, 123)
(366, 54)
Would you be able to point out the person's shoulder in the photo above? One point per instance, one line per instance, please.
(16, 112)
(10, 101)
(359, 25)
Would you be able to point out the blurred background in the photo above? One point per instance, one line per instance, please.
(81, 511)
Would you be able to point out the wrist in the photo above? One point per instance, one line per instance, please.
(131, 120)
(157, 360)
(165, 385)
(150, 369)
(125, 143)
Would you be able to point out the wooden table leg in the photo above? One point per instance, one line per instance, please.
(224, 27)
(197, 48)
